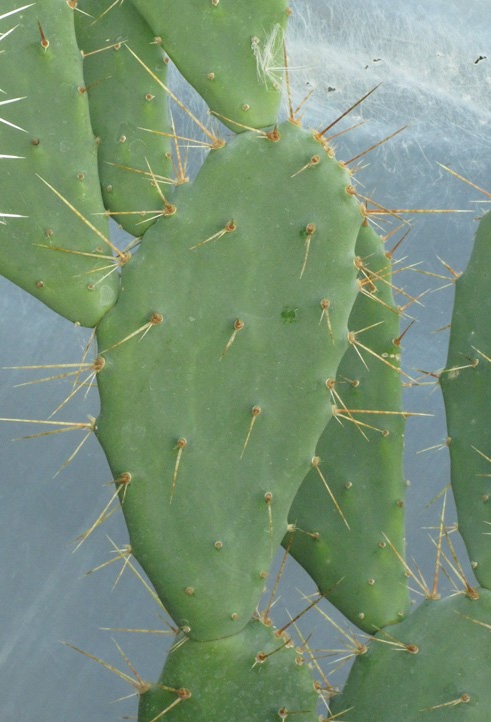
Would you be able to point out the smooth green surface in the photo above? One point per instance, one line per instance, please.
(124, 100)
(350, 558)
(449, 656)
(226, 681)
(209, 527)
(465, 383)
(231, 51)
(52, 139)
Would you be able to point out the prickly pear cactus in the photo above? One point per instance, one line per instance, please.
(248, 357)
(217, 323)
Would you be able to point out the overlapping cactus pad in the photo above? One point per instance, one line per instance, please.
(128, 110)
(349, 511)
(254, 675)
(49, 169)
(231, 52)
(432, 666)
(216, 359)
(465, 383)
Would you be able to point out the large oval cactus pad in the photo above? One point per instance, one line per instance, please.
(229, 295)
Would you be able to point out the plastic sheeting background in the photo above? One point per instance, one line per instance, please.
(434, 61)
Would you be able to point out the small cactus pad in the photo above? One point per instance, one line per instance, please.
(254, 676)
(465, 384)
(49, 177)
(345, 543)
(213, 394)
(432, 666)
(231, 52)
(128, 110)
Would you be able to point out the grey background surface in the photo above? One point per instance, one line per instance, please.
(426, 55)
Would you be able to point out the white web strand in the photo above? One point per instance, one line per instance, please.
(428, 57)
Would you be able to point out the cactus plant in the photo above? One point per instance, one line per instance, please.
(219, 340)
(182, 443)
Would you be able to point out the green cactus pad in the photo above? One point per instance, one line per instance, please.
(46, 135)
(465, 384)
(126, 103)
(254, 676)
(231, 52)
(347, 550)
(216, 399)
(432, 666)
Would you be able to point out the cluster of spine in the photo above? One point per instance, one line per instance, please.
(248, 355)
